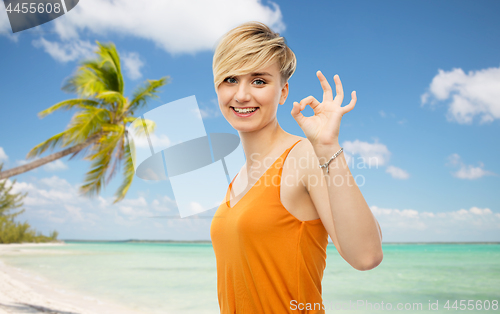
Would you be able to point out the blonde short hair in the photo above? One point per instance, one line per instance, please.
(249, 46)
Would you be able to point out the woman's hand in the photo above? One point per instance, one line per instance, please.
(323, 128)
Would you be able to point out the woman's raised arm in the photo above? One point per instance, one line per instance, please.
(357, 232)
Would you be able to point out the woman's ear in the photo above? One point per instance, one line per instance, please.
(284, 93)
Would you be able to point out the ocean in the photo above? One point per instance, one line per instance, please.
(181, 277)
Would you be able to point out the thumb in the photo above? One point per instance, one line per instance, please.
(297, 114)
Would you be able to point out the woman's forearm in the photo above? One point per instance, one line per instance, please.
(356, 228)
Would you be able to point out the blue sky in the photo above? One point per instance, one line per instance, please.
(427, 77)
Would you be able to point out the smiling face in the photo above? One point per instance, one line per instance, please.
(262, 89)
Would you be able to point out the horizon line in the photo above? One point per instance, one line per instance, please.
(209, 241)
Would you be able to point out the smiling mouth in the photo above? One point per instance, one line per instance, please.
(244, 110)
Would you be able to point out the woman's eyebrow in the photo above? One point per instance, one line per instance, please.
(260, 74)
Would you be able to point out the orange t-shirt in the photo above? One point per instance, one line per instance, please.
(268, 261)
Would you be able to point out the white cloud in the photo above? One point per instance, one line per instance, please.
(159, 141)
(54, 203)
(138, 202)
(390, 115)
(479, 211)
(56, 165)
(133, 209)
(63, 198)
(24, 162)
(210, 111)
(397, 173)
(75, 49)
(8, 183)
(4, 21)
(5, 28)
(76, 213)
(57, 183)
(3, 155)
(175, 26)
(474, 94)
(66, 51)
(165, 204)
(132, 64)
(384, 114)
(371, 154)
(471, 172)
(141, 141)
(474, 224)
(467, 171)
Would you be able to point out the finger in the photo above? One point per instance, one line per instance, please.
(351, 105)
(339, 89)
(327, 89)
(296, 113)
(309, 100)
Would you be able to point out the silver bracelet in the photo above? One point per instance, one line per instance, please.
(333, 157)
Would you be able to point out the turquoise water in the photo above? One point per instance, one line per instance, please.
(181, 278)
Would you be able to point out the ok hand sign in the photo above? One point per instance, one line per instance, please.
(323, 128)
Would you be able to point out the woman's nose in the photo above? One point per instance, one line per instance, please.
(242, 94)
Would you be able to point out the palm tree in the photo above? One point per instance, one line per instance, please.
(98, 130)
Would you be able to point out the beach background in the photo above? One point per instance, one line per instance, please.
(422, 144)
(181, 277)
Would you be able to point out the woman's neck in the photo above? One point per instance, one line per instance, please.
(260, 144)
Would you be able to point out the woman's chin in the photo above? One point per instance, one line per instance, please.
(240, 127)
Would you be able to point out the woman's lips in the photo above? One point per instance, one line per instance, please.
(244, 114)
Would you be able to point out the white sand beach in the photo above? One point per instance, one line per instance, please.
(24, 292)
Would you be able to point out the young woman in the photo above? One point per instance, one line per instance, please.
(270, 234)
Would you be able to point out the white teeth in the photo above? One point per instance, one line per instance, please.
(245, 110)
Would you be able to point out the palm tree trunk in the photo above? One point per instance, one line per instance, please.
(42, 161)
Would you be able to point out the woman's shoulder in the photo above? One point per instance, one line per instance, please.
(303, 154)
(302, 146)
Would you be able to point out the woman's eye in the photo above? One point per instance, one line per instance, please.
(259, 80)
(230, 80)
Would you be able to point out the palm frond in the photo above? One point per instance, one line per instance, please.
(51, 143)
(95, 178)
(117, 159)
(106, 73)
(113, 128)
(86, 82)
(128, 174)
(109, 57)
(85, 123)
(140, 125)
(146, 92)
(67, 105)
(111, 97)
(99, 74)
(107, 144)
(129, 119)
(83, 152)
(131, 144)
